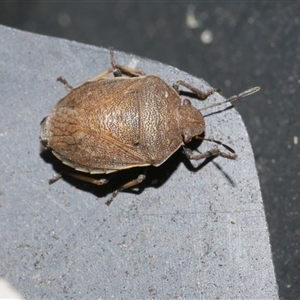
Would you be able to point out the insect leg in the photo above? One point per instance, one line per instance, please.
(200, 94)
(127, 185)
(211, 153)
(117, 70)
(78, 176)
(120, 70)
(103, 74)
(65, 83)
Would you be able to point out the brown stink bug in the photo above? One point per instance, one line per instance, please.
(108, 124)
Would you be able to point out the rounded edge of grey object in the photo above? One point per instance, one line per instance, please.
(194, 235)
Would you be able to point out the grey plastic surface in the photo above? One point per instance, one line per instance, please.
(190, 235)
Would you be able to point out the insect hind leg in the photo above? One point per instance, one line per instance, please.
(79, 176)
(101, 181)
(117, 70)
(125, 186)
(120, 70)
(65, 83)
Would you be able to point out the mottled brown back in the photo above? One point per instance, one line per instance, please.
(114, 124)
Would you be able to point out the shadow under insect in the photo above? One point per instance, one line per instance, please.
(155, 176)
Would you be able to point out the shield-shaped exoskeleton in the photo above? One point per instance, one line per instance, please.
(109, 124)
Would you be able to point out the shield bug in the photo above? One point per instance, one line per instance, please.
(108, 124)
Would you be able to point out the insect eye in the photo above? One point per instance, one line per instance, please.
(187, 138)
(187, 102)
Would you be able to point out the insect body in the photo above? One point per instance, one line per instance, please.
(108, 124)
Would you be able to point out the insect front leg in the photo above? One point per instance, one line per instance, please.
(211, 153)
(125, 186)
(200, 94)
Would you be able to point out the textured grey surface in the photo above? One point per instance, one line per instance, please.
(190, 235)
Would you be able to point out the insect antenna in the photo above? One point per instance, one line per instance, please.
(234, 98)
